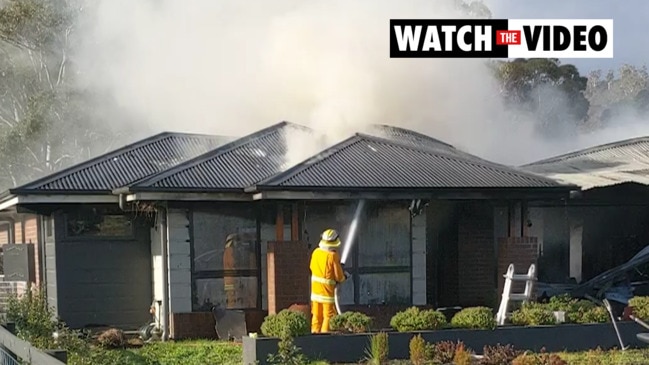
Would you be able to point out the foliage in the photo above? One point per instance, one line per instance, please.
(47, 120)
(378, 352)
(542, 358)
(474, 318)
(462, 355)
(640, 307)
(444, 352)
(112, 338)
(533, 314)
(33, 317)
(550, 92)
(414, 319)
(287, 354)
(352, 322)
(578, 311)
(420, 351)
(285, 324)
(498, 355)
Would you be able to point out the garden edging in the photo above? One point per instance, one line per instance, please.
(350, 348)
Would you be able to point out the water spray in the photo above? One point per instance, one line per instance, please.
(349, 242)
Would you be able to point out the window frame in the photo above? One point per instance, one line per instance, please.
(103, 211)
(356, 271)
(221, 273)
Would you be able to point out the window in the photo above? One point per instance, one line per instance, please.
(380, 259)
(225, 259)
(98, 222)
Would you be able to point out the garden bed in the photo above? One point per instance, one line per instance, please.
(350, 348)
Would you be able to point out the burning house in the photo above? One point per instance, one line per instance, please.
(227, 225)
(605, 225)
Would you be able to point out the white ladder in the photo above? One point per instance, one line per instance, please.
(510, 276)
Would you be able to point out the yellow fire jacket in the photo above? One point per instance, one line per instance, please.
(326, 272)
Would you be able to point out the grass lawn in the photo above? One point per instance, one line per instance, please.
(206, 352)
(171, 353)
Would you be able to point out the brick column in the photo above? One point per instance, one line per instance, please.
(520, 251)
(288, 274)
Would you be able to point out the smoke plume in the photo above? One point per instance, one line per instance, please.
(232, 67)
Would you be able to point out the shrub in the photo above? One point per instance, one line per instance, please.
(378, 351)
(539, 359)
(285, 324)
(420, 351)
(640, 307)
(498, 355)
(444, 352)
(34, 318)
(533, 314)
(462, 356)
(112, 338)
(590, 315)
(353, 322)
(287, 354)
(475, 318)
(413, 319)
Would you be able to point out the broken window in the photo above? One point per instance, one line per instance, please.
(225, 258)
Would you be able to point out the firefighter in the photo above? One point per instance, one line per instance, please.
(326, 273)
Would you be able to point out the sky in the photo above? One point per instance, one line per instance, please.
(630, 25)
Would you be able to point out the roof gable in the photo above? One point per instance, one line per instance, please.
(231, 167)
(125, 165)
(364, 161)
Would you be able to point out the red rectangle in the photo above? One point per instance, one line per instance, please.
(506, 37)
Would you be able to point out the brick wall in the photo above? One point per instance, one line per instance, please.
(520, 251)
(31, 236)
(18, 230)
(4, 235)
(288, 274)
(476, 258)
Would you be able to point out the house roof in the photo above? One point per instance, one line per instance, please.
(367, 162)
(231, 167)
(120, 167)
(417, 139)
(609, 164)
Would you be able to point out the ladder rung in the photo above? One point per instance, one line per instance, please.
(520, 277)
(518, 297)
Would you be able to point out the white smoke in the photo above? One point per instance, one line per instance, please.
(232, 67)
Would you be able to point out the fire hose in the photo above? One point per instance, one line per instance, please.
(349, 242)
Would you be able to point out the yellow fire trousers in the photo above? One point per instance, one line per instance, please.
(321, 313)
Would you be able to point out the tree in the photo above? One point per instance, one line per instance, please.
(613, 96)
(552, 93)
(46, 120)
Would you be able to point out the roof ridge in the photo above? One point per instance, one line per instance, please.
(93, 161)
(359, 137)
(416, 134)
(481, 162)
(213, 153)
(295, 169)
(588, 150)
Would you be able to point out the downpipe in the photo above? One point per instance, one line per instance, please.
(349, 242)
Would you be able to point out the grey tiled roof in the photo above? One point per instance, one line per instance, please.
(125, 165)
(231, 167)
(364, 161)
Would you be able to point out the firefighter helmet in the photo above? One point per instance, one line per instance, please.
(330, 239)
